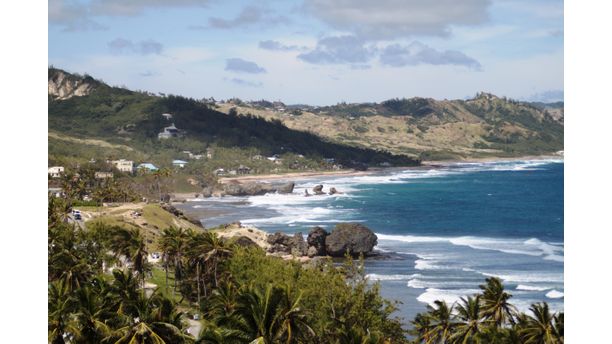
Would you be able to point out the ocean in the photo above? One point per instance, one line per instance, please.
(445, 228)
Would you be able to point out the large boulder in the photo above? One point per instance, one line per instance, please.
(353, 238)
(298, 245)
(248, 189)
(283, 243)
(316, 240)
(286, 189)
(318, 190)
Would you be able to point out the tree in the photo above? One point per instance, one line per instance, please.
(542, 327)
(470, 323)
(495, 306)
(442, 322)
(91, 315)
(60, 306)
(131, 244)
(152, 319)
(274, 315)
(173, 244)
(421, 327)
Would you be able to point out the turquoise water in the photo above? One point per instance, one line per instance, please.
(445, 228)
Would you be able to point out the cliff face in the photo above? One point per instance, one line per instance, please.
(63, 85)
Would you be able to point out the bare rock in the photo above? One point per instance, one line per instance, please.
(353, 238)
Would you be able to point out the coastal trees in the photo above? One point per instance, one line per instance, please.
(542, 326)
(487, 317)
(495, 306)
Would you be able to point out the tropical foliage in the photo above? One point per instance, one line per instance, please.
(487, 317)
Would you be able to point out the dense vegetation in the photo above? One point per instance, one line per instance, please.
(488, 317)
(133, 120)
(99, 292)
(242, 294)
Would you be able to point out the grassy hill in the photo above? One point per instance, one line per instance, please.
(101, 122)
(485, 126)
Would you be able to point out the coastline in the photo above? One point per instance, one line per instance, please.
(374, 170)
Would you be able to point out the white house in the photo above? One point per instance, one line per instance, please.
(124, 165)
(167, 116)
(179, 163)
(168, 132)
(55, 171)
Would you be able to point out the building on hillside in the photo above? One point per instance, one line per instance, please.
(257, 157)
(55, 171)
(167, 116)
(209, 153)
(103, 175)
(179, 163)
(220, 172)
(147, 167)
(169, 132)
(123, 165)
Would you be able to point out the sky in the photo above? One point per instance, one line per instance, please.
(317, 52)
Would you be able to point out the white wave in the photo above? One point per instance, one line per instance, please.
(555, 257)
(530, 288)
(423, 264)
(379, 277)
(530, 247)
(527, 277)
(450, 296)
(417, 283)
(554, 294)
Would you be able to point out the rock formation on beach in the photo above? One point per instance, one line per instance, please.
(248, 189)
(353, 238)
(281, 243)
(318, 190)
(316, 241)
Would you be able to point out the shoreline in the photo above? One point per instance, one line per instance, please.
(374, 170)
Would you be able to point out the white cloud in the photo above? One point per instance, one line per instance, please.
(388, 19)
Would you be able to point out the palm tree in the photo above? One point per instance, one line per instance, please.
(131, 243)
(124, 288)
(92, 314)
(205, 251)
(173, 244)
(540, 328)
(470, 323)
(273, 315)
(442, 324)
(494, 306)
(216, 250)
(421, 327)
(60, 306)
(152, 319)
(213, 334)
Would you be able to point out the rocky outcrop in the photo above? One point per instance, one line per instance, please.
(316, 241)
(353, 238)
(248, 189)
(281, 243)
(172, 210)
(318, 190)
(286, 189)
(63, 85)
(333, 191)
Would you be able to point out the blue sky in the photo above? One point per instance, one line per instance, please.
(315, 52)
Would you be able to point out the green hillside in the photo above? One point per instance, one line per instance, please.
(111, 122)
